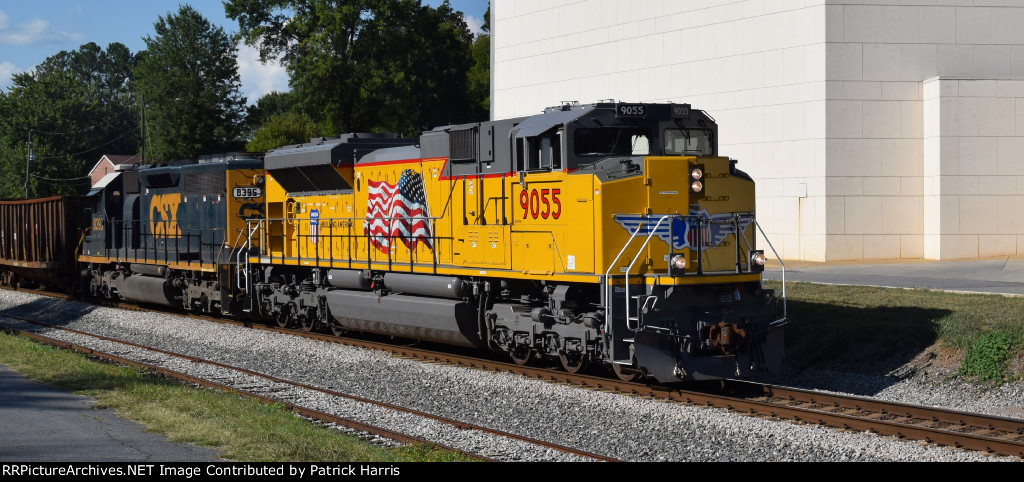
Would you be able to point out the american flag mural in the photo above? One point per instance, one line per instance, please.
(398, 211)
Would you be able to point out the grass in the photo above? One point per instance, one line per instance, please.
(242, 429)
(884, 328)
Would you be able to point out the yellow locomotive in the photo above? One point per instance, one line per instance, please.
(609, 234)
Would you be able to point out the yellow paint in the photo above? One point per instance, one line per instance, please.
(163, 212)
(239, 209)
(545, 225)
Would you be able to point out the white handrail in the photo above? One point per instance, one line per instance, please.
(779, 258)
(638, 253)
(608, 279)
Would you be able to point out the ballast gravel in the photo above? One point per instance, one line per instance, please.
(618, 426)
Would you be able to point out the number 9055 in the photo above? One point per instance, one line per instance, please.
(543, 203)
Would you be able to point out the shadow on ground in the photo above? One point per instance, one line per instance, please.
(872, 342)
(54, 311)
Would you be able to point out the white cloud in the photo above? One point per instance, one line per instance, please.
(7, 70)
(259, 79)
(4, 20)
(475, 24)
(34, 31)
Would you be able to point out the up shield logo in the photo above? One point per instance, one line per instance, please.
(683, 231)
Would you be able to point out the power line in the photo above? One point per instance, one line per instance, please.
(62, 182)
(82, 152)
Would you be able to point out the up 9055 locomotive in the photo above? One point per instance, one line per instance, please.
(609, 233)
(606, 234)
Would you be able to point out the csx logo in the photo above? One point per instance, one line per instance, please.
(163, 220)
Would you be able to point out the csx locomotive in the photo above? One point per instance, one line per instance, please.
(606, 234)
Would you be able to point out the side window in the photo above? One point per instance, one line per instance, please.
(551, 152)
(542, 153)
(520, 144)
(641, 145)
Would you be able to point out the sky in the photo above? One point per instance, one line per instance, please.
(32, 30)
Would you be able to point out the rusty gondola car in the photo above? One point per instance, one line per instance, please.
(38, 240)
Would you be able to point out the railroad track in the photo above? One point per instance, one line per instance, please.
(233, 378)
(989, 434)
(985, 433)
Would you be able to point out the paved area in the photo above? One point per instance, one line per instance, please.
(1004, 275)
(42, 424)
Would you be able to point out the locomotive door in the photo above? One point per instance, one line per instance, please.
(665, 196)
(291, 241)
(486, 233)
(552, 216)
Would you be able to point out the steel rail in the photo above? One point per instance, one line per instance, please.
(315, 414)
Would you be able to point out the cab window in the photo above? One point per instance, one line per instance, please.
(688, 142)
(611, 141)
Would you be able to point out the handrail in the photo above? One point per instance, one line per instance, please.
(785, 314)
(264, 226)
(638, 253)
(608, 279)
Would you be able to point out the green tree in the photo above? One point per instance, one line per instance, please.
(365, 65)
(270, 105)
(189, 82)
(75, 106)
(282, 130)
(479, 88)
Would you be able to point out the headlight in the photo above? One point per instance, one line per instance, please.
(696, 186)
(679, 261)
(696, 173)
(757, 260)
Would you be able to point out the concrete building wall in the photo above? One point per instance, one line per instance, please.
(973, 168)
(758, 67)
(882, 191)
(822, 101)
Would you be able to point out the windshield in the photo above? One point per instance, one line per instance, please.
(605, 141)
(688, 142)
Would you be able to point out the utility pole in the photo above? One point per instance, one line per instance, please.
(29, 157)
(142, 107)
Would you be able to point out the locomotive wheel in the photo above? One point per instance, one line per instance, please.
(522, 355)
(572, 362)
(309, 320)
(626, 374)
(284, 316)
